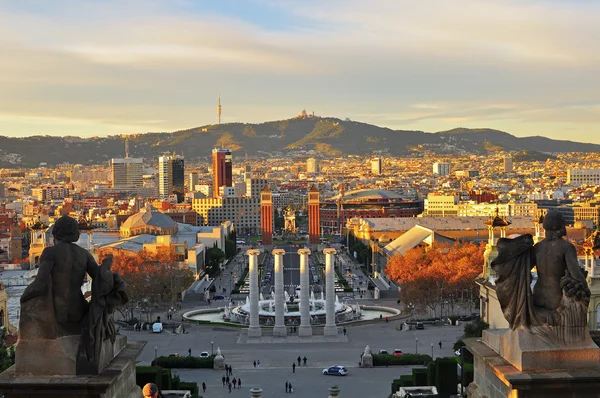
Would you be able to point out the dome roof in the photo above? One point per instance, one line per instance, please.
(151, 217)
(369, 194)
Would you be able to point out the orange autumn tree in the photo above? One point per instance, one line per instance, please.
(152, 277)
(443, 272)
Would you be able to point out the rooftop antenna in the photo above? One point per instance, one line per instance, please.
(219, 109)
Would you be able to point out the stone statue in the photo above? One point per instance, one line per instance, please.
(57, 324)
(556, 308)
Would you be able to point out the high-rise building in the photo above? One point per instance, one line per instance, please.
(192, 181)
(127, 172)
(222, 170)
(2, 192)
(441, 169)
(254, 186)
(376, 166)
(312, 166)
(171, 172)
(508, 164)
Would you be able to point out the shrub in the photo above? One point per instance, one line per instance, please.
(419, 376)
(406, 381)
(431, 368)
(396, 384)
(165, 379)
(446, 378)
(406, 359)
(147, 374)
(185, 362)
(193, 387)
(475, 328)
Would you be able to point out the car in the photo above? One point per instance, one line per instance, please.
(157, 327)
(204, 354)
(419, 326)
(397, 353)
(219, 298)
(383, 352)
(335, 370)
(457, 353)
(173, 354)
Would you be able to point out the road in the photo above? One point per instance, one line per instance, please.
(291, 272)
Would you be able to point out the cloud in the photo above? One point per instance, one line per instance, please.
(147, 65)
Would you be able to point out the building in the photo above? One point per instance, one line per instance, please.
(171, 176)
(222, 170)
(48, 193)
(508, 164)
(192, 181)
(441, 169)
(244, 212)
(312, 165)
(442, 205)
(148, 221)
(127, 172)
(583, 176)
(266, 216)
(254, 186)
(314, 216)
(2, 191)
(376, 166)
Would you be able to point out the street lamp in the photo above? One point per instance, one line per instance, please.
(431, 350)
(155, 355)
(416, 345)
(212, 344)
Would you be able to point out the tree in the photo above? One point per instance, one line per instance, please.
(430, 276)
(229, 248)
(214, 257)
(7, 354)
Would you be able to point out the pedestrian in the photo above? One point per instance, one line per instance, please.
(258, 363)
(230, 371)
(287, 386)
(299, 360)
(203, 387)
(380, 315)
(234, 382)
(229, 385)
(344, 330)
(440, 343)
(208, 301)
(254, 363)
(223, 380)
(189, 352)
(291, 389)
(150, 390)
(386, 319)
(226, 379)
(294, 367)
(304, 361)
(239, 383)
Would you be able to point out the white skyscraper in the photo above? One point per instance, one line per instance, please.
(508, 164)
(376, 166)
(165, 182)
(312, 166)
(441, 169)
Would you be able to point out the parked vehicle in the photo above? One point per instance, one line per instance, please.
(336, 370)
(397, 352)
(157, 327)
(383, 352)
(219, 298)
(419, 326)
(204, 354)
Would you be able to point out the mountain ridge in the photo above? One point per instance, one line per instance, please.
(328, 135)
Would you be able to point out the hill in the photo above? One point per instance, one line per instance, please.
(330, 136)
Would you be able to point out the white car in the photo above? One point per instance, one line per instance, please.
(204, 354)
(157, 327)
(335, 370)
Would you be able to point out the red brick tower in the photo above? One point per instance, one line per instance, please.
(314, 217)
(266, 215)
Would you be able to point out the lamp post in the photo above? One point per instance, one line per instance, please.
(416, 345)
(212, 344)
(431, 350)
(155, 355)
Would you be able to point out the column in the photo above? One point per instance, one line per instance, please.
(305, 329)
(254, 329)
(330, 328)
(279, 328)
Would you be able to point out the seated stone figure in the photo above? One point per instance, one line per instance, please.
(556, 308)
(56, 322)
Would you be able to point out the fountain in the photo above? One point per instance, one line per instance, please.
(337, 300)
(261, 297)
(312, 295)
(322, 295)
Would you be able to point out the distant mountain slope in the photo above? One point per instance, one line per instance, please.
(330, 136)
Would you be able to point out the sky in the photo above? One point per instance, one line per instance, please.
(93, 68)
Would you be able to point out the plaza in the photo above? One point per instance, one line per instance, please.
(276, 359)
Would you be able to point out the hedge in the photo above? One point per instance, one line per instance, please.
(165, 379)
(147, 374)
(405, 359)
(185, 362)
(396, 384)
(193, 387)
(406, 381)
(431, 368)
(446, 378)
(419, 376)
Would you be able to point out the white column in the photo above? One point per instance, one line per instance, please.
(279, 328)
(254, 329)
(305, 329)
(330, 328)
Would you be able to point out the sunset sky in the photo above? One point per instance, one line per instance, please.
(116, 67)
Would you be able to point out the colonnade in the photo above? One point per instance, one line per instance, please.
(305, 328)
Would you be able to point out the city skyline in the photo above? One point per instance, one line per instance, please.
(105, 68)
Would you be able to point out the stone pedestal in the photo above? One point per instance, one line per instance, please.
(254, 328)
(366, 361)
(330, 328)
(219, 361)
(256, 392)
(334, 392)
(116, 380)
(279, 330)
(305, 328)
(496, 377)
